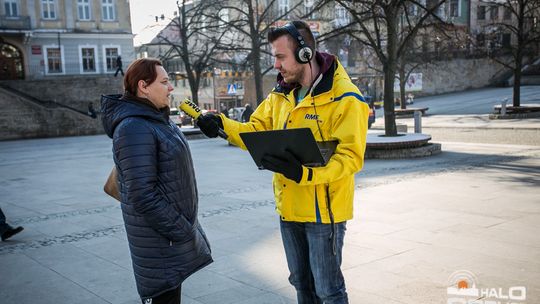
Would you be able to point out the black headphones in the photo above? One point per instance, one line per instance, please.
(303, 52)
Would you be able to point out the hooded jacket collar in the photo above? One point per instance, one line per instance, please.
(327, 64)
(115, 108)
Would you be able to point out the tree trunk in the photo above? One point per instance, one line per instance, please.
(255, 51)
(257, 73)
(389, 114)
(389, 68)
(516, 98)
(402, 82)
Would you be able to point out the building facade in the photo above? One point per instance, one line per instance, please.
(50, 38)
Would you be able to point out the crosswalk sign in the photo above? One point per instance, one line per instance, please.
(231, 89)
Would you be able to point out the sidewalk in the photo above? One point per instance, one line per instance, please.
(473, 208)
(475, 121)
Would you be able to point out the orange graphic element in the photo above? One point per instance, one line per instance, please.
(463, 285)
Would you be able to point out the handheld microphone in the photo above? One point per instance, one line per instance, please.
(191, 109)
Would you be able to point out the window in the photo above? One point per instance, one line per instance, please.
(481, 13)
(11, 7)
(83, 9)
(107, 10)
(494, 12)
(283, 8)
(342, 17)
(455, 8)
(414, 9)
(111, 53)
(48, 9)
(507, 13)
(441, 11)
(53, 58)
(88, 59)
(308, 9)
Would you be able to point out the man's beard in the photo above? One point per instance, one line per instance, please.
(297, 77)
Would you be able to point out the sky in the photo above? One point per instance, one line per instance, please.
(143, 20)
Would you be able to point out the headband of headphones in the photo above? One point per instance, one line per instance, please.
(303, 52)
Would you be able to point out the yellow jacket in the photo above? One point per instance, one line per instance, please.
(343, 116)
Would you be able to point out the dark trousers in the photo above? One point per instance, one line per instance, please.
(170, 297)
(3, 225)
(119, 70)
(315, 270)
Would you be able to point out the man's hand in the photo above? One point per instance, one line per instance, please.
(286, 164)
(209, 124)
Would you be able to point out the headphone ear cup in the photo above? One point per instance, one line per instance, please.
(304, 54)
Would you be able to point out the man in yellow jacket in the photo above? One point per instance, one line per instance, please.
(313, 90)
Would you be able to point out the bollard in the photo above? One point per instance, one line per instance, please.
(417, 122)
(503, 106)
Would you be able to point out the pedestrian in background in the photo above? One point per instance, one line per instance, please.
(246, 115)
(6, 231)
(157, 184)
(313, 90)
(119, 66)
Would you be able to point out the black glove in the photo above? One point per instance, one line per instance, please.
(286, 164)
(210, 124)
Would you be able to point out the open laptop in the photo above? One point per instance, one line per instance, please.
(299, 141)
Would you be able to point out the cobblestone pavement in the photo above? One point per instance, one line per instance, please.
(474, 208)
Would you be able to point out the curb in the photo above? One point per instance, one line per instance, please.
(429, 149)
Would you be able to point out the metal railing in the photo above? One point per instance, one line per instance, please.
(50, 104)
(58, 69)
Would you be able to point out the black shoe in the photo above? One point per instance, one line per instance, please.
(11, 232)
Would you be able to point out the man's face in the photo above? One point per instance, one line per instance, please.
(284, 60)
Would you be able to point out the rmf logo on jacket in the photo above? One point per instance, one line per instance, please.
(312, 116)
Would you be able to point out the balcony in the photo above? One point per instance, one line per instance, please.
(14, 23)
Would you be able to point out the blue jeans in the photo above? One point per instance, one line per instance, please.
(315, 270)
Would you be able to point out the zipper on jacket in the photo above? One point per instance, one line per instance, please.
(288, 114)
(170, 243)
(286, 120)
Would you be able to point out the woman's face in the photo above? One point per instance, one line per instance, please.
(158, 92)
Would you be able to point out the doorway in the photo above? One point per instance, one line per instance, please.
(11, 62)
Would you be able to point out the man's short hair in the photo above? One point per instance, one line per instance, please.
(301, 27)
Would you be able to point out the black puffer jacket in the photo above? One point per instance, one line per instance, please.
(159, 195)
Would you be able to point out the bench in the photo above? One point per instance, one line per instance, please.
(410, 111)
(524, 108)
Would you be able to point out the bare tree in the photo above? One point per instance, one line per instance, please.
(388, 27)
(192, 39)
(521, 23)
(250, 21)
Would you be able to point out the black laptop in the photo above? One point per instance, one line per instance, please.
(299, 141)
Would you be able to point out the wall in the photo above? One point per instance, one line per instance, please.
(441, 77)
(458, 75)
(21, 118)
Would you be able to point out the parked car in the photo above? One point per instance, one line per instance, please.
(186, 119)
(371, 117)
(175, 117)
(236, 113)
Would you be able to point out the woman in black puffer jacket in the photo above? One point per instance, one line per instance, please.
(157, 184)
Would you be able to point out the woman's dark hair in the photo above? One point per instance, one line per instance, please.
(140, 69)
(301, 27)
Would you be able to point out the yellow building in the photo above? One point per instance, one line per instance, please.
(47, 38)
